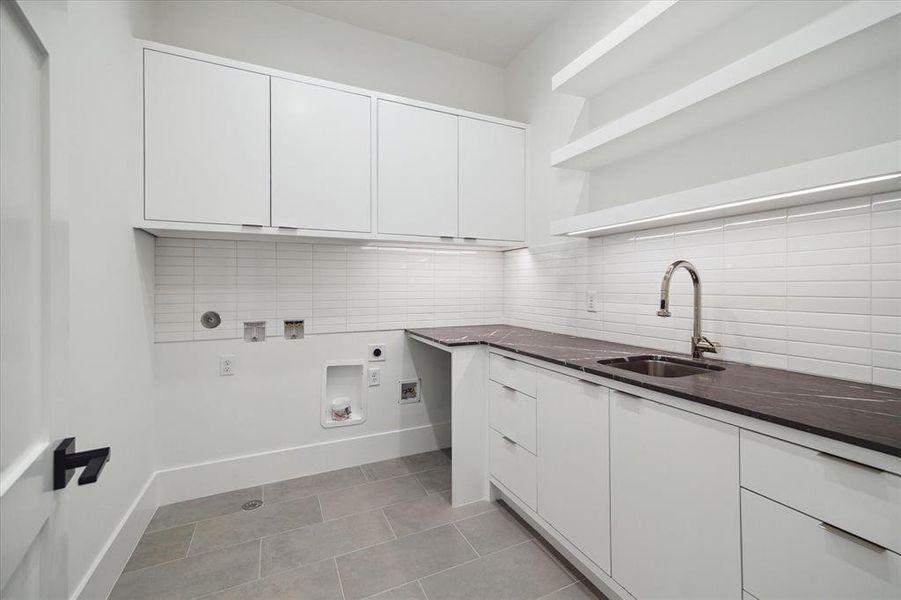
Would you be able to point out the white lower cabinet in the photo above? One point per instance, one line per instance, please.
(789, 555)
(512, 414)
(513, 466)
(574, 462)
(675, 519)
(861, 500)
(667, 504)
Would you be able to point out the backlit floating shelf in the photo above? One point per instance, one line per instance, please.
(849, 40)
(863, 172)
(650, 35)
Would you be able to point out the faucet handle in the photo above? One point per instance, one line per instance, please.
(705, 345)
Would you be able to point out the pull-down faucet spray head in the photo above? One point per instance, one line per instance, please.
(664, 302)
(699, 343)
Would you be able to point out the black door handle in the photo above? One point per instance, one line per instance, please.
(66, 460)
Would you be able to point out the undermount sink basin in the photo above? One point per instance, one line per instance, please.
(660, 366)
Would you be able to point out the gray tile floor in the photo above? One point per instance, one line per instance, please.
(383, 531)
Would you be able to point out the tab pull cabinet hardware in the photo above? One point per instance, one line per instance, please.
(66, 460)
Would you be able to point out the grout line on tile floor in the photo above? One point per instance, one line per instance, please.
(205, 552)
(193, 532)
(422, 589)
(388, 521)
(477, 558)
(340, 583)
(468, 543)
(567, 586)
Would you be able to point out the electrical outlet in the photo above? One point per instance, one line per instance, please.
(592, 297)
(227, 364)
(375, 376)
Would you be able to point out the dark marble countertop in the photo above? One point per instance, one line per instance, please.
(862, 414)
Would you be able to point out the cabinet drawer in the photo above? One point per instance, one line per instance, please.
(512, 414)
(859, 499)
(514, 466)
(787, 554)
(512, 373)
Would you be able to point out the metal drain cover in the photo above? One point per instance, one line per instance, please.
(251, 505)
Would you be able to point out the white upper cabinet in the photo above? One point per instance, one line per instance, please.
(206, 142)
(321, 158)
(675, 518)
(492, 180)
(417, 172)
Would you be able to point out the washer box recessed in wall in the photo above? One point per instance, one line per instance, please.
(343, 381)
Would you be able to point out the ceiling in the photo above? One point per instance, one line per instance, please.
(490, 31)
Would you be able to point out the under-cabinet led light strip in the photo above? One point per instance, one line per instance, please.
(697, 211)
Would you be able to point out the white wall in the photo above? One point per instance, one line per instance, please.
(555, 193)
(281, 37)
(273, 402)
(108, 395)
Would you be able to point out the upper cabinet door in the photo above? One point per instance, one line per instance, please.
(321, 158)
(206, 142)
(417, 171)
(492, 180)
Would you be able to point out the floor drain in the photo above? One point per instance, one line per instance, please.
(252, 505)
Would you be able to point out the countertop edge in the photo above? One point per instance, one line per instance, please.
(838, 436)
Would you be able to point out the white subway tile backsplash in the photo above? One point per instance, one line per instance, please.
(814, 288)
(332, 287)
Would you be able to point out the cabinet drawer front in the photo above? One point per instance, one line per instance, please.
(787, 554)
(512, 373)
(512, 414)
(859, 499)
(513, 466)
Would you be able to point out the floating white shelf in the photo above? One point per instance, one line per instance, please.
(649, 35)
(862, 172)
(858, 36)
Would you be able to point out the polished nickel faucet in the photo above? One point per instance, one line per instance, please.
(699, 343)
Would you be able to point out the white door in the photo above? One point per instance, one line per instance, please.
(492, 181)
(32, 546)
(417, 174)
(206, 142)
(675, 521)
(574, 462)
(321, 158)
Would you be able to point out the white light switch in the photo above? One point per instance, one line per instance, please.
(375, 376)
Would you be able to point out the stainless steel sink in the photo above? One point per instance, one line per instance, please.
(660, 366)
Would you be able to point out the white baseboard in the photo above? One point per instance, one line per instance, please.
(98, 582)
(214, 477)
(203, 479)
